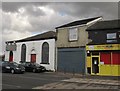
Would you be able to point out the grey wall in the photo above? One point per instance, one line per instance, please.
(63, 35)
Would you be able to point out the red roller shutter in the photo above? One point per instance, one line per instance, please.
(105, 57)
(116, 58)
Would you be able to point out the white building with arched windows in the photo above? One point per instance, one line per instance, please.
(39, 48)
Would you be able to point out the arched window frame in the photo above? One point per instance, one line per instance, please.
(45, 53)
(23, 53)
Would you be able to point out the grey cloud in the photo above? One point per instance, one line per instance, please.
(88, 9)
(31, 11)
(76, 9)
(14, 6)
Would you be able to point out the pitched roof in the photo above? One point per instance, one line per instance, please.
(79, 22)
(110, 24)
(43, 36)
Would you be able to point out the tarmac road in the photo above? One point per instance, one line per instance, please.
(52, 80)
(28, 80)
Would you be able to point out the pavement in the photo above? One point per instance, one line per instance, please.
(82, 83)
(78, 81)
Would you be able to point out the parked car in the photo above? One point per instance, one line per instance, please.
(12, 67)
(33, 67)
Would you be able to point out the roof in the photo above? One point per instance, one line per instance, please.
(79, 22)
(43, 36)
(110, 24)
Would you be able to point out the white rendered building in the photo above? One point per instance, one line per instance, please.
(39, 48)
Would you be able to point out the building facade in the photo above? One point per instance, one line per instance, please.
(70, 45)
(103, 52)
(39, 49)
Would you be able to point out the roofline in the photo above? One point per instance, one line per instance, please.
(73, 26)
(52, 36)
(97, 19)
(17, 41)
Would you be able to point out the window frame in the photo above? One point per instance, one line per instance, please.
(42, 53)
(73, 34)
(23, 52)
(112, 38)
(111, 34)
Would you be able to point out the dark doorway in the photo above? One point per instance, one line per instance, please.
(33, 58)
(95, 65)
(11, 56)
(23, 53)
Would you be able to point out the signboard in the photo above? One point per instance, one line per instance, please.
(11, 47)
(103, 47)
(102, 63)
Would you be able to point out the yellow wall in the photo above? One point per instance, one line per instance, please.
(110, 70)
(88, 61)
(105, 70)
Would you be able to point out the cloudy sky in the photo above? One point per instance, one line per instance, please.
(23, 19)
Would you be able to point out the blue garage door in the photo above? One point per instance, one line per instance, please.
(71, 60)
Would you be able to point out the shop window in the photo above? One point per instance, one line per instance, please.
(73, 34)
(116, 58)
(105, 57)
(23, 53)
(45, 53)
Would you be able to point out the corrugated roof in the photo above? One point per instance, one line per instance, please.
(43, 36)
(79, 22)
(110, 24)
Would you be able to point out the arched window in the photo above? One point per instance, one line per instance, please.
(11, 56)
(23, 53)
(45, 53)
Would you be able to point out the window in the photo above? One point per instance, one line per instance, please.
(45, 53)
(111, 38)
(73, 34)
(23, 53)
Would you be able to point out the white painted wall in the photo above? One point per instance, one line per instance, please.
(38, 50)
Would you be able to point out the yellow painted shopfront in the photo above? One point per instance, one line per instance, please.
(103, 59)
